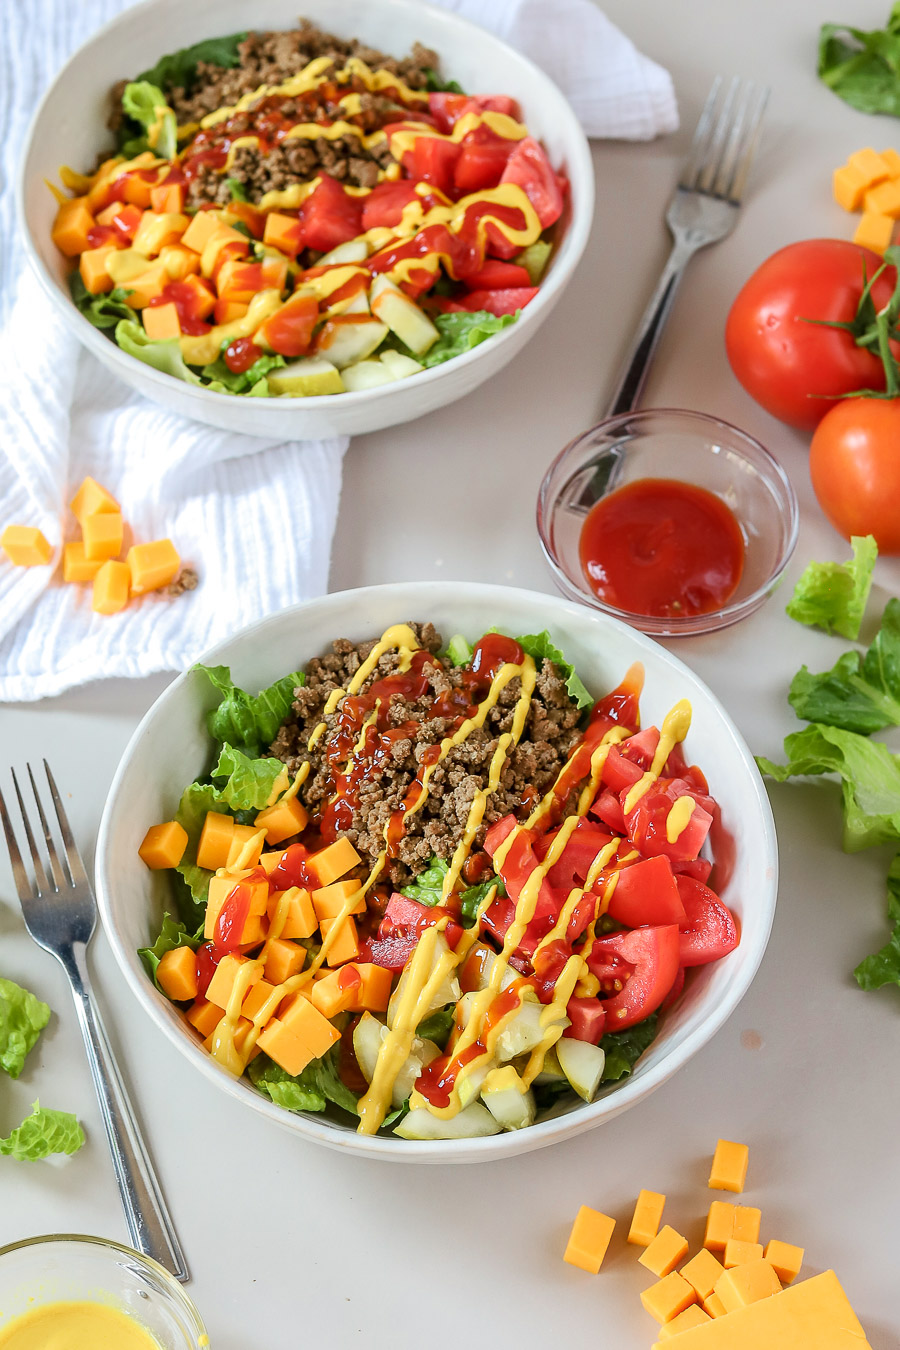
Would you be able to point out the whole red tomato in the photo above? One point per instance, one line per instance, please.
(794, 368)
(854, 463)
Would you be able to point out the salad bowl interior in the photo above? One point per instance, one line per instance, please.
(171, 746)
(141, 35)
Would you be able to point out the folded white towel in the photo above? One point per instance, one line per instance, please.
(62, 416)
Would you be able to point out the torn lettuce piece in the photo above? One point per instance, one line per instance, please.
(624, 1048)
(540, 647)
(43, 1133)
(226, 381)
(179, 69)
(196, 800)
(534, 259)
(172, 934)
(883, 967)
(246, 722)
(248, 782)
(861, 692)
(460, 332)
(22, 1019)
(861, 66)
(459, 650)
(428, 886)
(163, 354)
(870, 779)
(103, 311)
(833, 595)
(144, 105)
(311, 1090)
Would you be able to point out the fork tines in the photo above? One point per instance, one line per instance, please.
(65, 871)
(725, 140)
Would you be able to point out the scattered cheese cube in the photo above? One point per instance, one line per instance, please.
(785, 1259)
(329, 901)
(282, 820)
(299, 1035)
(729, 1166)
(647, 1214)
(719, 1225)
(701, 1272)
(869, 165)
(246, 846)
(215, 840)
(90, 500)
(664, 1252)
(257, 998)
(161, 321)
(849, 187)
(746, 1223)
(176, 974)
(204, 1016)
(344, 945)
(298, 919)
(78, 567)
(738, 1253)
(164, 845)
(152, 565)
(892, 159)
(747, 1283)
(331, 862)
(226, 974)
(669, 1297)
(714, 1305)
(589, 1239)
(103, 534)
(110, 588)
(283, 959)
(884, 199)
(874, 231)
(694, 1316)
(25, 546)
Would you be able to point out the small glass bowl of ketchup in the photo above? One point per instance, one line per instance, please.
(673, 521)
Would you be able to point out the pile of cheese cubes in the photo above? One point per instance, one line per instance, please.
(95, 556)
(870, 182)
(730, 1294)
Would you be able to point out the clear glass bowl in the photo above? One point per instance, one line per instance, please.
(689, 447)
(69, 1267)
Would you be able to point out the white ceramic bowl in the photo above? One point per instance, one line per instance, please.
(171, 747)
(69, 128)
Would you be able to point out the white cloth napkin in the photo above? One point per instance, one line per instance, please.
(254, 517)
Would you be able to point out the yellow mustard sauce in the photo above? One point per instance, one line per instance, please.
(81, 1325)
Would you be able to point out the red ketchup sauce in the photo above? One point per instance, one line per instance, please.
(662, 548)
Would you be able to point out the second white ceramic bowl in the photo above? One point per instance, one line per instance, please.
(171, 747)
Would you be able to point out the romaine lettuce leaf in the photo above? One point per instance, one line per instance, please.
(883, 967)
(870, 779)
(459, 650)
(624, 1048)
(248, 782)
(226, 381)
(310, 1090)
(247, 723)
(540, 647)
(435, 83)
(179, 69)
(833, 595)
(534, 259)
(859, 693)
(460, 332)
(22, 1019)
(103, 311)
(144, 104)
(162, 354)
(172, 934)
(861, 67)
(428, 886)
(196, 800)
(43, 1132)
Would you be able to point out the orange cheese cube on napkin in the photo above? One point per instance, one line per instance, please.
(25, 546)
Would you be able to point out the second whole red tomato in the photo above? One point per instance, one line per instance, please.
(854, 463)
(793, 367)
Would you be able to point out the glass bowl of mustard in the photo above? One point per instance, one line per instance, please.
(676, 522)
(86, 1292)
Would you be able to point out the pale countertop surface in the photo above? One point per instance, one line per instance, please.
(289, 1242)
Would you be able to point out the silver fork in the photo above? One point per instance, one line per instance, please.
(60, 913)
(703, 210)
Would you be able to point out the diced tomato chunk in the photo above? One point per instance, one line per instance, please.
(646, 894)
(433, 160)
(384, 204)
(499, 302)
(646, 822)
(482, 161)
(588, 1017)
(529, 167)
(330, 216)
(608, 808)
(708, 930)
(619, 773)
(404, 915)
(391, 952)
(496, 275)
(641, 747)
(645, 962)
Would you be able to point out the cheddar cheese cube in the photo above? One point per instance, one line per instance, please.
(869, 165)
(110, 593)
(669, 1297)
(70, 229)
(336, 993)
(884, 200)
(179, 262)
(202, 226)
(747, 1220)
(329, 901)
(167, 198)
(246, 846)
(719, 1225)
(26, 546)
(343, 945)
(158, 229)
(589, 1239)
(293, 911)
(152, 565)
(665, 1251)
(714, 1306)
(375, 987)
(849, 187)
(215, 840)
(874, 231)
(785, 1259)
(103, 534)
(747, 1283)
(91, 499)
(204, 1016)
(331, 862)
(283, 959)
(257, 998)
(298, 1036)
(162, 321)
(77, 567)
(176, 974)
(694, 1316)
(253, 891)
(892, 159)
(701, 1272)
(146, 286)
(647, 1214)
(164, 845)
(93, 268)
(282, 820)
(738, 1253)
(269, 860)
(729, 1166)
(232, 968)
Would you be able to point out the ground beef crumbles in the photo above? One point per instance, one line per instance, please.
(408, 729)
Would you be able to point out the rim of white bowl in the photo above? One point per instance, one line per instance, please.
(509, 1143)
(576, 237)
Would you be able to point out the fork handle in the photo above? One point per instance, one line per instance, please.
(150, 1228)
(627, 392)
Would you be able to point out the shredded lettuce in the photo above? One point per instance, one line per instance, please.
(164, 354)
(428, 885)
(248, 782)
(173, 934)
(145, 107)
(179, 69)
(246, 722)
(460, 332)
(861, 692)
(883, 967)
(237, 189)
(435, 83)
(22, 1019)
(833, 595)
(42, 1133)
(226, 381)
(624, 1048)
(459, 650)
(103, 311)
(311, 1090)
(540, 647)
